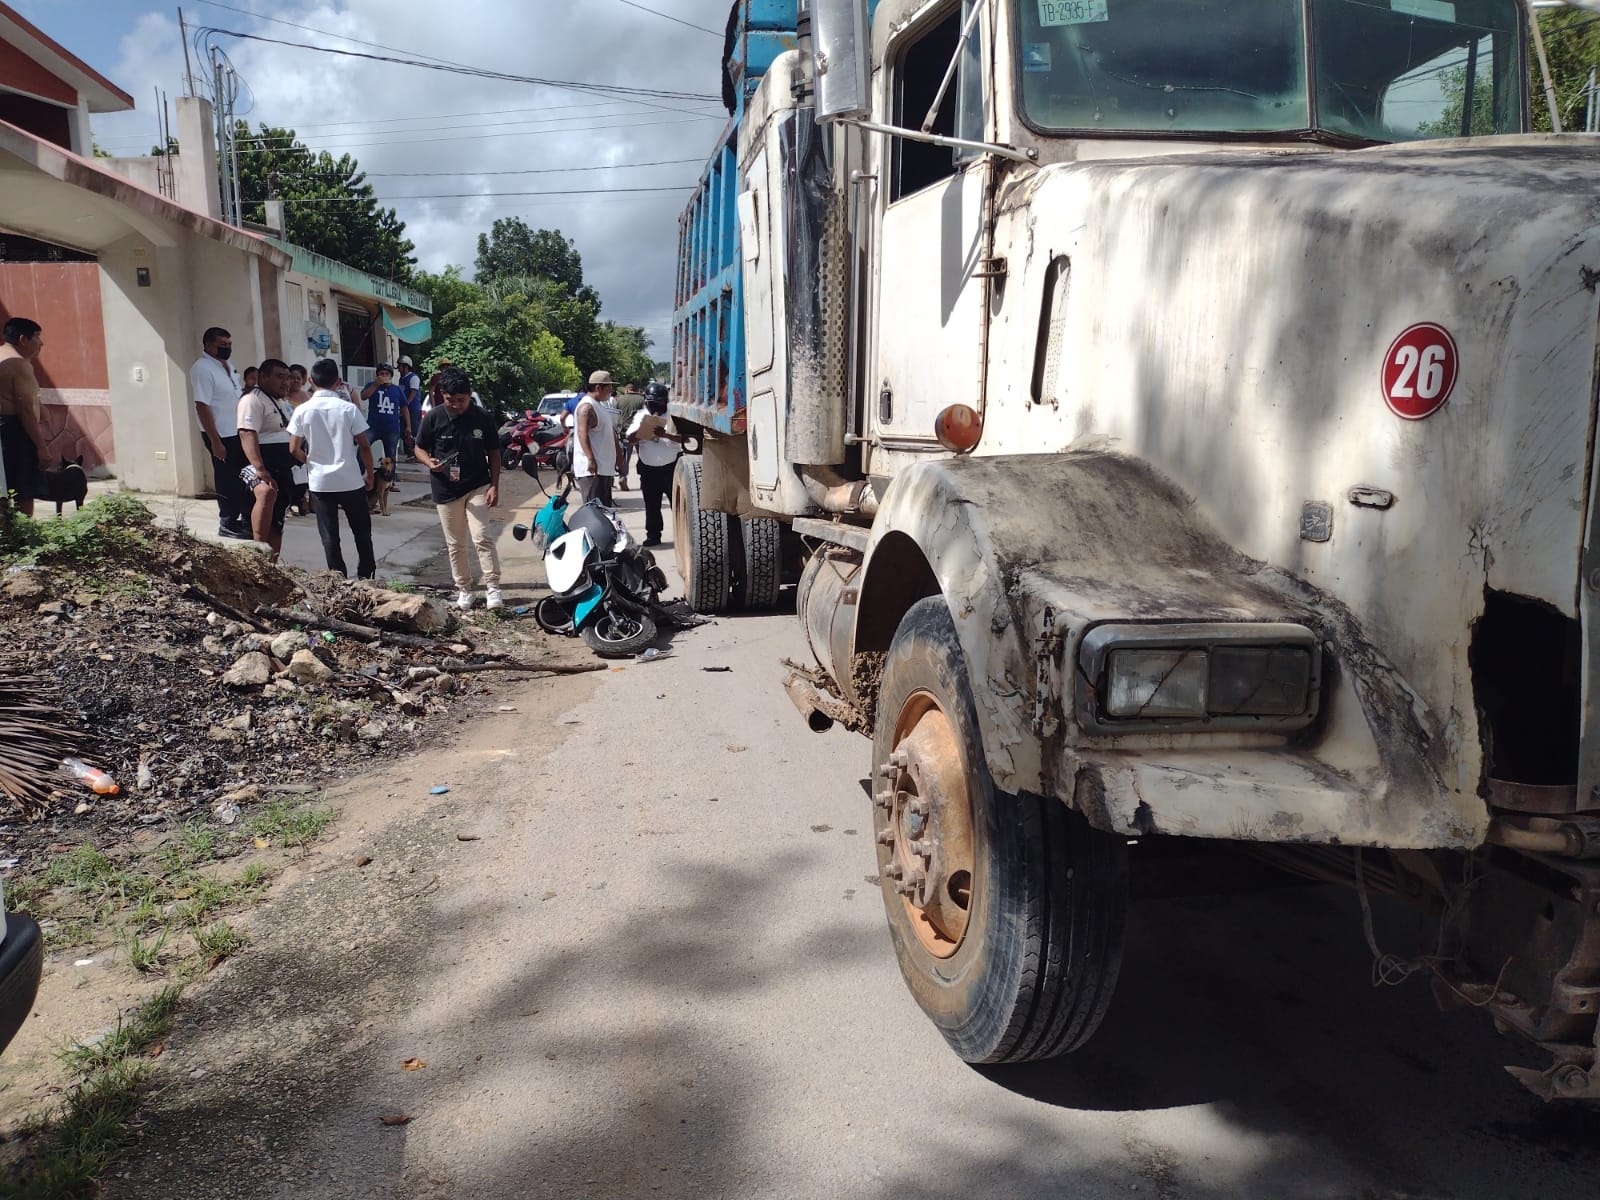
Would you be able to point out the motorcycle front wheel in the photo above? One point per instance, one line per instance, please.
(616, 634)
(510, 456)
(553, 617)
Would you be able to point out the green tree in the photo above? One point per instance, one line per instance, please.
(1572, 43)
(630, 360)
(329, 205)
(448, 290)
(553, 368)
(512, 249)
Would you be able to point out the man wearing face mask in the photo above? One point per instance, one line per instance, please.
(215, 388)
(651, 433)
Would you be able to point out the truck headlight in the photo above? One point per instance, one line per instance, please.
(1156, 683)
(1206, 676)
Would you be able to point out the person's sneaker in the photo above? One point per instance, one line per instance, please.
(464, 601)
(493, 599)
(649, 541)
(236, 532)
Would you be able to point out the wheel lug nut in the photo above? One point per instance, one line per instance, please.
(899, 759)
(884, 799)
(886, 837)
(893, 871)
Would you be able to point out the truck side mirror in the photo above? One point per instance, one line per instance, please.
(841, 50)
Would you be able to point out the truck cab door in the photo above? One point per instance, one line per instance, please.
(927, 309)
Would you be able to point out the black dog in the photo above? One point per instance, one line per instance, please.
(66, 483)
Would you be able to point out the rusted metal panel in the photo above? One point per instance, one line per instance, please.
(1031, 551)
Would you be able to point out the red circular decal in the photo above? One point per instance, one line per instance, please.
(1419, 372)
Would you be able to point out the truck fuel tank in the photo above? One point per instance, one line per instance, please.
(827, 603)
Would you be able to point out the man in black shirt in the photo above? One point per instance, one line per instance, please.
(459, 443)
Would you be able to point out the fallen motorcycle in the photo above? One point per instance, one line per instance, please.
(604, 586)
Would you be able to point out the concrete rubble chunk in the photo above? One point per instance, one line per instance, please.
(409, 611)
(250, 670)
(306, 667)
(285, 644)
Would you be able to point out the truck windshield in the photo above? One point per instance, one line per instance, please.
(1383, 70)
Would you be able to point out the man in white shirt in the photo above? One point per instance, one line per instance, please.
(411, 385)
(657, 441)
(214, 386)
(328, 434)
(594, 464)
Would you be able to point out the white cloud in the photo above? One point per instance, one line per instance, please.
(628, 241)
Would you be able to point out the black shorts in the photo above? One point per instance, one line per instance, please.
(280, 466)
(21, 458)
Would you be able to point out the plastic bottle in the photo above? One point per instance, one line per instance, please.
(93, 778)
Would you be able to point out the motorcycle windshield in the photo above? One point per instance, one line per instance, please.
(593, 520)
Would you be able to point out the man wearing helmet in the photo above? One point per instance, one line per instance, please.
(652, 434)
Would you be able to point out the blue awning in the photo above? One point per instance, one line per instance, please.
(415, 331)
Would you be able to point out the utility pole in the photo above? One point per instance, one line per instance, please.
(188, 68)
(223, 170)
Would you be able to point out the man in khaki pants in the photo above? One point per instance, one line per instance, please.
(459, 443)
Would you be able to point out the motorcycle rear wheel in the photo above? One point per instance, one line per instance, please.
(617, 634)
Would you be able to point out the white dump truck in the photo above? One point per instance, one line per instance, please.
(1179, 418)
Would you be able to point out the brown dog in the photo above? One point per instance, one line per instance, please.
(382, 485)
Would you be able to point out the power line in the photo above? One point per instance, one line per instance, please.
(477, 72)
(345, 149)
(294, 135)
(655, 12)
(663, 162)
(687, 187)
(372, 125)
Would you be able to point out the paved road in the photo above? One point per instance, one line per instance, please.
(662, 971)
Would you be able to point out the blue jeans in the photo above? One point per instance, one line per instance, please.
(388, 438)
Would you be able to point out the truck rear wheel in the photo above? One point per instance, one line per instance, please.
(700, 541)
(760, 564)
(1006, 912)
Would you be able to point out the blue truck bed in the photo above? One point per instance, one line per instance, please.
(708, 379)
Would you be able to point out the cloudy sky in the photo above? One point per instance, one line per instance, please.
(473, 137)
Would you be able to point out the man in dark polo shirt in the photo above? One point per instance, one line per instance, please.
(459, 443)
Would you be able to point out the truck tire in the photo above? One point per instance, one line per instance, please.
(1007, 912)
(21, 964)
(701, 541)
(760, 563)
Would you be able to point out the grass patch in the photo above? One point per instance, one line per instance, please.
(67, 1152)
(145, 956)
(219, 941)
(111, 526)
(289, 824)
(143, 902)
(147, 1025)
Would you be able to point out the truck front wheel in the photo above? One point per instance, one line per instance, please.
(1006, 912)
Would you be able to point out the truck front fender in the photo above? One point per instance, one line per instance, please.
(1031, 551)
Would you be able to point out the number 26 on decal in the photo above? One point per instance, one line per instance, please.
(1419, 371)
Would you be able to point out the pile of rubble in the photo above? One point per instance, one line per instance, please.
(202, 675)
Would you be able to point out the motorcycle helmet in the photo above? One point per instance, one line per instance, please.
(655, 397)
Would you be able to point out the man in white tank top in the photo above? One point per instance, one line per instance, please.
(595, 452)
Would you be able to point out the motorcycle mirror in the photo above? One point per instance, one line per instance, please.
(520, 532)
